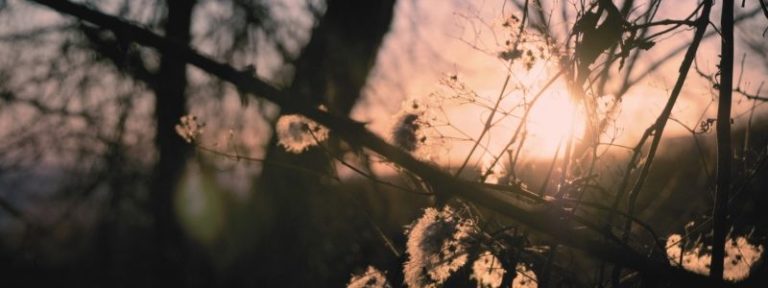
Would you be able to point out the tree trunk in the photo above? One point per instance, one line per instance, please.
(720, 213)
(170, 105)
(332, 70)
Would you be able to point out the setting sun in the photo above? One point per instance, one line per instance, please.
(553, 120)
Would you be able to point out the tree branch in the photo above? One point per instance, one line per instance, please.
(661, 122)
(8, 207)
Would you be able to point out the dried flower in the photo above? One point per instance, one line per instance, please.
(525, 48)
(414, 128)
(525, 278)
(372, 278)
(437, 246)
(189, 128)
(406, 132)
(740, 255)
(487, 271)
(297, 133)
(455, 92)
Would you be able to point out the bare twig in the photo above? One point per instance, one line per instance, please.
(522, 123)
(677, 23)
(487, 126)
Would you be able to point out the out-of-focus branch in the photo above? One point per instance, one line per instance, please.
(10, 97)
(655, 65)
(10, 208)
(631, 166)
(541, 215)
(120, 55)
(763, 7)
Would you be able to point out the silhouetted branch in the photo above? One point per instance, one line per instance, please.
(724, 153)
(674, 52)
(489, 121)
(46, 108)
(676, 24)
(521, 125)
(238, 157)
(10, 208)
(631, 165)
(750, 96)
(661, 122)
(120, 55)
(699, 148)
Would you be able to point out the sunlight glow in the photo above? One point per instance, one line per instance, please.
(553, 120)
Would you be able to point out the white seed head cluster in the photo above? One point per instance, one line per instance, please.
(526, 49)
(297, 133)
(525, 277)
(437, 246)
(454, 92)
(414, 128)
(189, 128)
(487, 271)
(740, 255)
(408, 131)
(371, 278)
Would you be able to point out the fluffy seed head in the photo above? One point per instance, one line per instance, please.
(437, 246)
(371, 278)
(297, 133)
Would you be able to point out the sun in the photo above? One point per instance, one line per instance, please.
(553, 120)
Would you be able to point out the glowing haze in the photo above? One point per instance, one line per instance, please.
(430, 40)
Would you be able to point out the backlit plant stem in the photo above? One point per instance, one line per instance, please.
(720, 213)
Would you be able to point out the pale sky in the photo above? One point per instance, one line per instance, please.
(430, 39)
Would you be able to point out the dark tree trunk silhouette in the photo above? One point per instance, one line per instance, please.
(724, 154)
(331, 71)
(171, 251)
(170, 105)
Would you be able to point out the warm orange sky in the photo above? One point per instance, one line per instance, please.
(430, 39)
